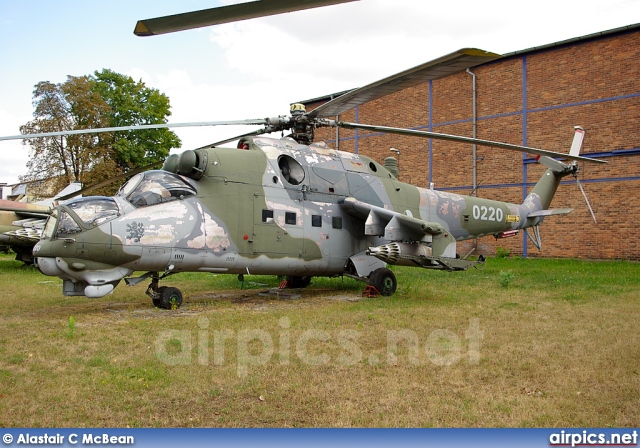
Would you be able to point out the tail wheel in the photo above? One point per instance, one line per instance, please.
(384, 280)
(169, 298)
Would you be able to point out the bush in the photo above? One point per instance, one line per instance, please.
(502, 253)
(506, 277)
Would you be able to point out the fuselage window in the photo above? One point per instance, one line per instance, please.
(267, 215)
(290, 218)
(336, 222)
(316, 221)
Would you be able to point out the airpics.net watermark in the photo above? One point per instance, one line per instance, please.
(313, 347)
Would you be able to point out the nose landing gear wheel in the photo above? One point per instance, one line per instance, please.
(169, 298)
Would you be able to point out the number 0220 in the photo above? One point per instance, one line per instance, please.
(484, 213)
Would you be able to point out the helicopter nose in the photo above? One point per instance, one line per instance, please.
(82, 277)
(48, 266)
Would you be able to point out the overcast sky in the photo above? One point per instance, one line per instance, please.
(255, 68)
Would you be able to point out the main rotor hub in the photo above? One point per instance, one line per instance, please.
(303, 126)
(298, 109)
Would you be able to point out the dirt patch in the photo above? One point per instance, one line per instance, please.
(197, 303)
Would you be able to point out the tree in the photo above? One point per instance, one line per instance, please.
(61, 107)
(132, 103)
(105, 99)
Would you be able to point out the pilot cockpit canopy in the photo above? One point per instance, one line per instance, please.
(155, 187)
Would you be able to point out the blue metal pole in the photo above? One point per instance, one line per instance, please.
(524, 143)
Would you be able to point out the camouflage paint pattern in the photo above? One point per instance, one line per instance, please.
(272, 206)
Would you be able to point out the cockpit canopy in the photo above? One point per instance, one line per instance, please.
(142, 190)
(155, 187)
(90, 211)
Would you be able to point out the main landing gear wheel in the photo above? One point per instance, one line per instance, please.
(168, 298)
(295, 282)
(384, 280)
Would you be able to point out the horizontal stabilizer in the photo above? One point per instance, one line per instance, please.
(550, 212)
(556, 166)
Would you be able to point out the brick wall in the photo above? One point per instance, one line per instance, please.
(533, 98)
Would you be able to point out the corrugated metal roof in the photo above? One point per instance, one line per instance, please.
(573, 40)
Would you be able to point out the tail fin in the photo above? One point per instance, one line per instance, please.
(559, 167)
(540, 197)
(536, 205)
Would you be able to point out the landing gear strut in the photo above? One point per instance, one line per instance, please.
(165, 297)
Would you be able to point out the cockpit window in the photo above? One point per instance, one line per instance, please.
(94, 210)
(66, 225)
(155, 187)
(49, 227)
(90, 211)
(130, 185)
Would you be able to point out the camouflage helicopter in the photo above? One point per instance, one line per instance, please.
(285, 206)
(21, 223)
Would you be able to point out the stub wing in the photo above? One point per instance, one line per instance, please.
(29, 230)
(390, 225)
(22, 221)
(409, 241)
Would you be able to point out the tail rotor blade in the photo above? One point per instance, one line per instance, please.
(586, 200)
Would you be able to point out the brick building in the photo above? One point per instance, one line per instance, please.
(534, 98)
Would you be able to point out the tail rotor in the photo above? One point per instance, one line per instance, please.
(572, 168)
(576, 146)
(586, 199)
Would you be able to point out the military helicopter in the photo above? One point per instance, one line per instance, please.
(21, 223)
(285, 206)
(20, 227)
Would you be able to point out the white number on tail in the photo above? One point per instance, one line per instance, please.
(484, 213)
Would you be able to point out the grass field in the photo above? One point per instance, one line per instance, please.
(524, 342)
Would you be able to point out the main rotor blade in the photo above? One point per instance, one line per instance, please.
(260, 121)
(109, 181)
(237, 137)
(225, 14)
(460, 139)
(35, 181)
(446, 65)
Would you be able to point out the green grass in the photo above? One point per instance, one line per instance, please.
(557, 347)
